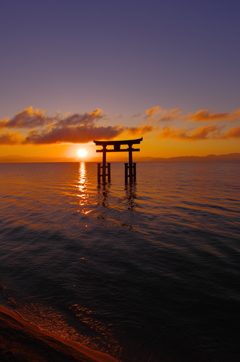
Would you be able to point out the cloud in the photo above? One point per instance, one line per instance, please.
(30, 118)
(204, 116)
(118, 115)
(136, 115)
(3, 123)
(83, 128)
(71, 128)
(79, 134)
(169, 115)
(58, 129)
(166, 115)
(206, 132)
(141, 130)
(152, 111)
(81, 119)
(232, 133)
(9, 138)
(83, 134)
(172, 133)
(201, 133)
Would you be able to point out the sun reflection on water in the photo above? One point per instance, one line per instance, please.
(83, 195)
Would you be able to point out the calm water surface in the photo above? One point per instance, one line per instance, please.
(147, 273)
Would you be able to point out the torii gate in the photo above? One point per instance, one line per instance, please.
(130, 167)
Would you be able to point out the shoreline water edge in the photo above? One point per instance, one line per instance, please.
(22, 341)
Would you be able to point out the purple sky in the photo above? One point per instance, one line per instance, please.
(122, 56)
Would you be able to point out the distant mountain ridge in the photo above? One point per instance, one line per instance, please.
(25, 159)
(224, 157)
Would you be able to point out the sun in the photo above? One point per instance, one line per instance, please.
(82, 152)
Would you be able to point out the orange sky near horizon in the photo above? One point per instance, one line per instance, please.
(166, 133)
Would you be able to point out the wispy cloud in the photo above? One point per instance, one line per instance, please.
(152, 111)
(201, 133)
(204, 116)
(119, 116)
(136, 115)
(158, 114)
(141, 130)
(232, 133)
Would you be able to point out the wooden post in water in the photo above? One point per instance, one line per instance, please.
(104, 175)
(134, 172)
(104, 164)
(130, 167)
(109, 171)
(99, 173)
(126, 173)
(132, 177)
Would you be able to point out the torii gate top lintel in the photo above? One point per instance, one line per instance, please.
(117, 145)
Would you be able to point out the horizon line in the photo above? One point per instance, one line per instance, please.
(39, 159)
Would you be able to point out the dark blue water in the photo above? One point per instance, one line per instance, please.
(147, 273)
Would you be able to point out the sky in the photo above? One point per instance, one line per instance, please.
(75, 71)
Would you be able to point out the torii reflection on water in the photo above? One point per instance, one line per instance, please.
(131, 194)
(103, 195)
(104, 192)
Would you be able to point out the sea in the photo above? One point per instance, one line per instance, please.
(148, 272)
